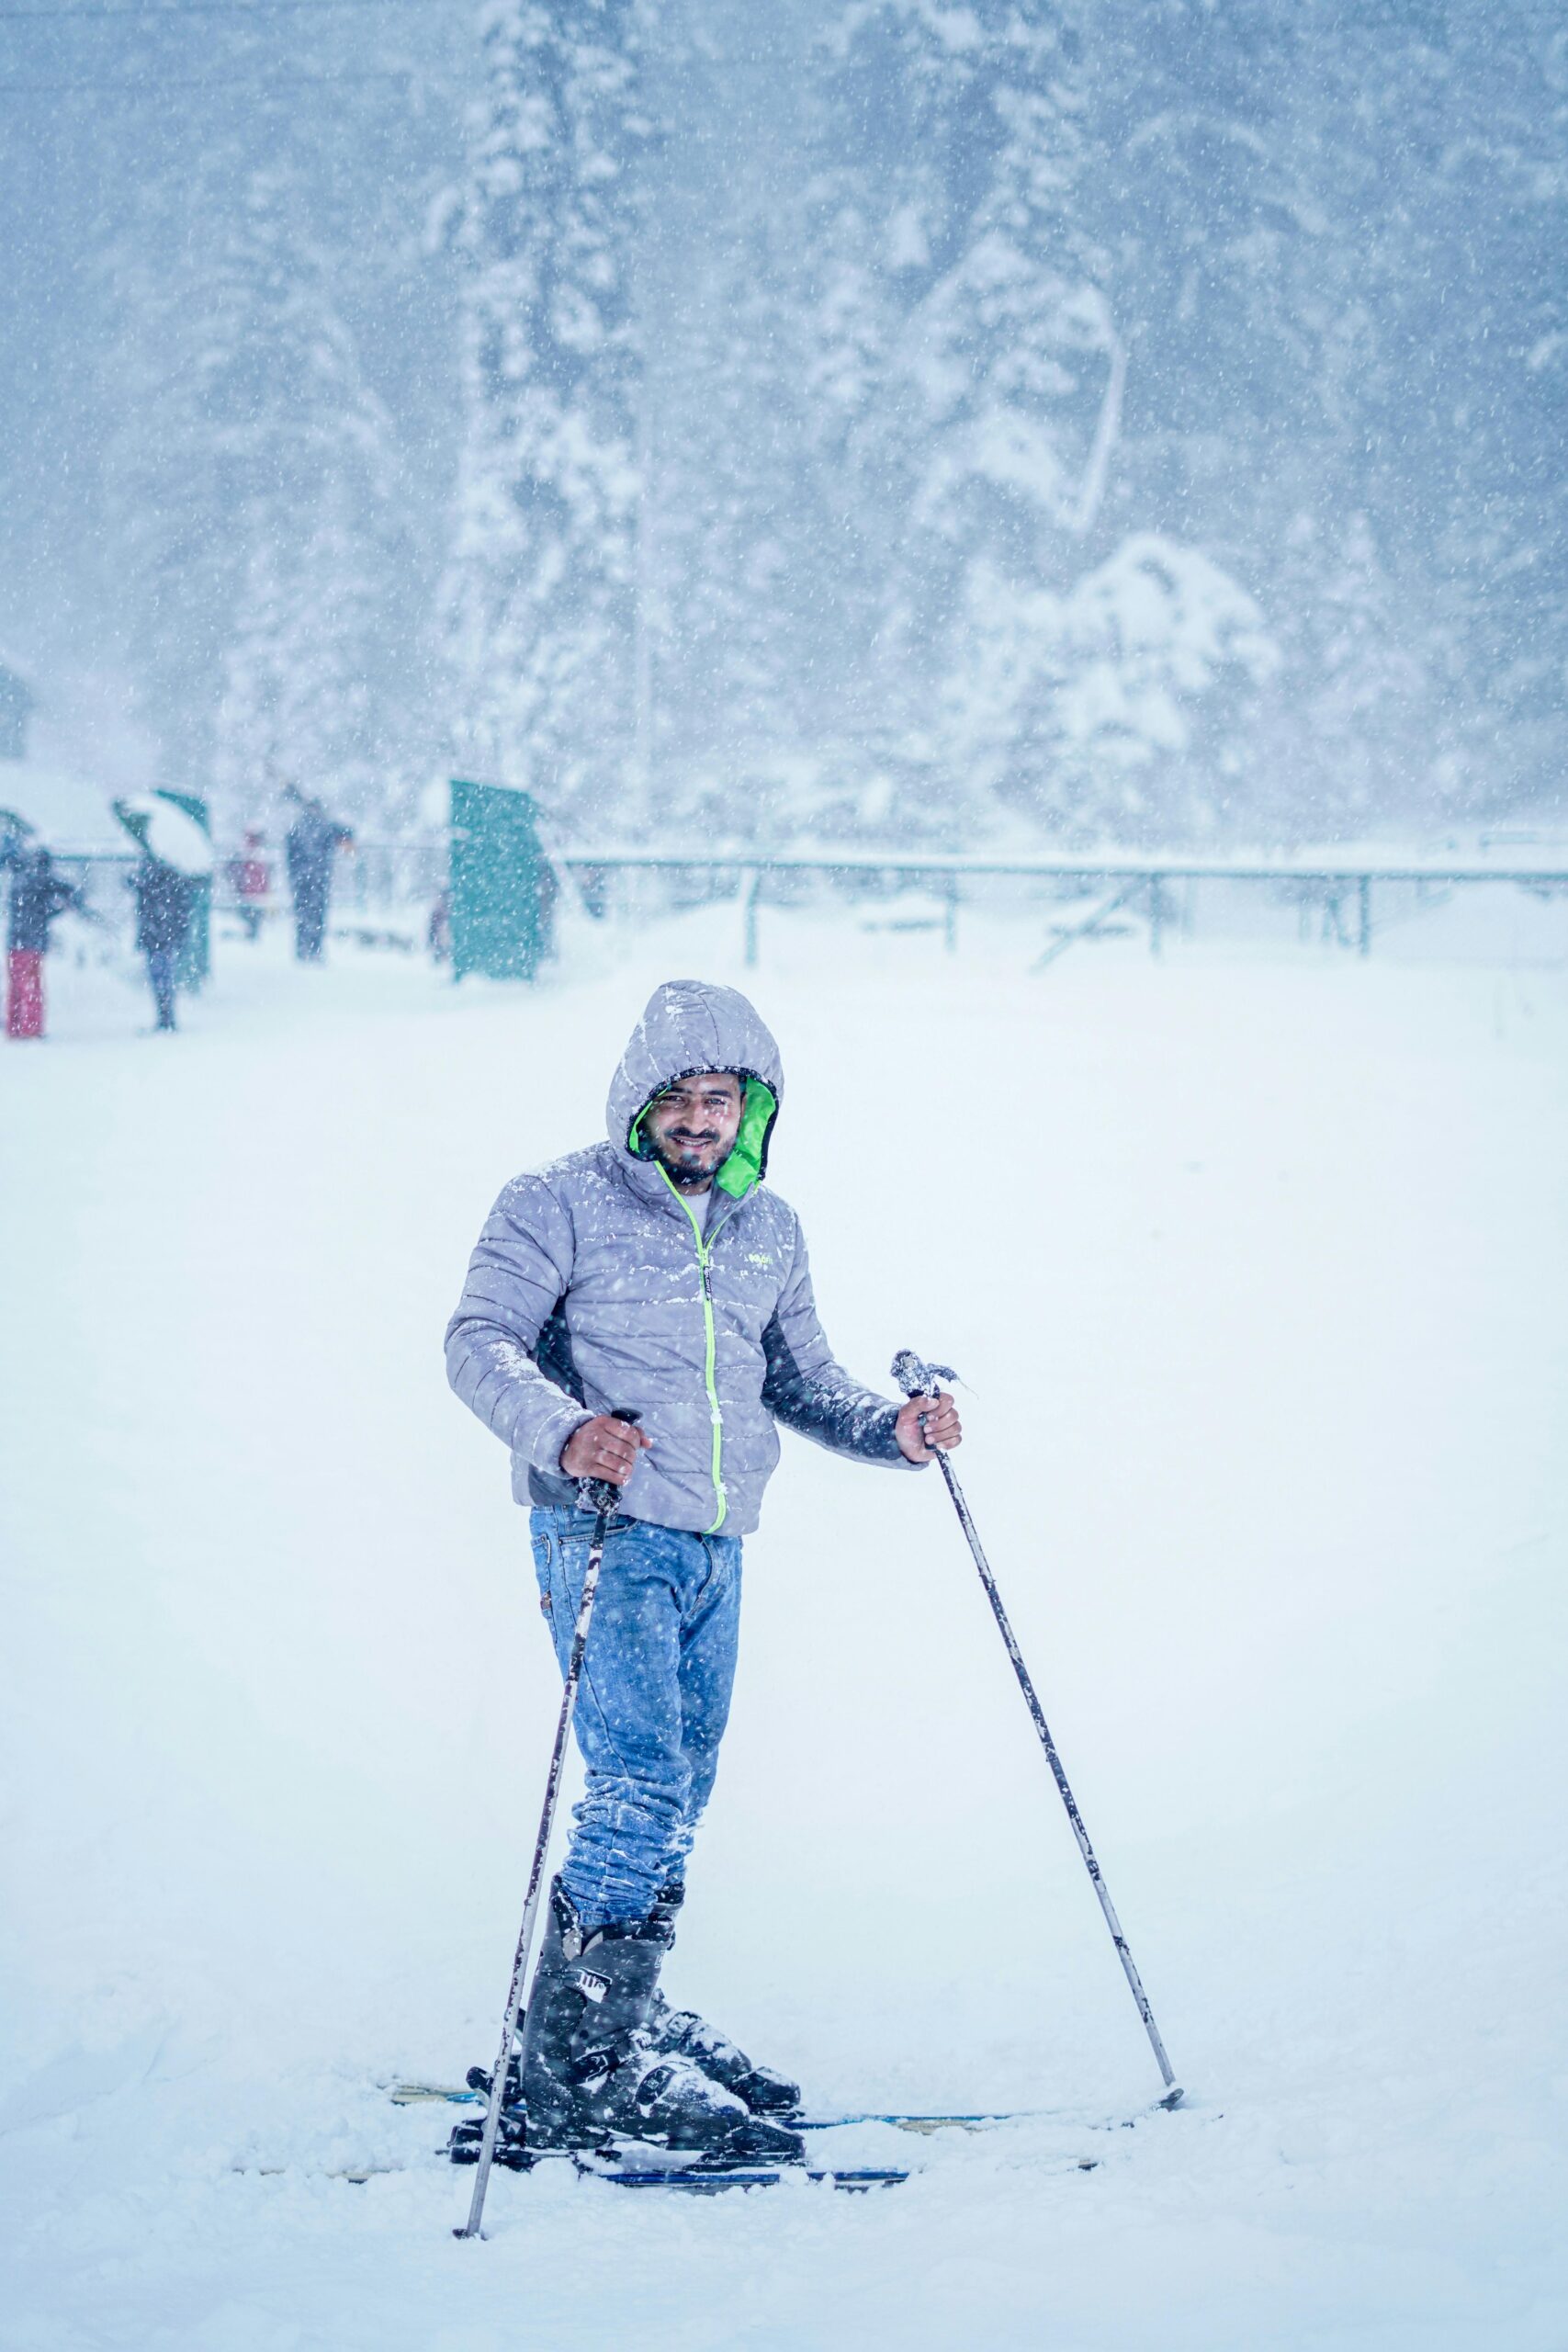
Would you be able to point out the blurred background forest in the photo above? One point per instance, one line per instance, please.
(748, 420)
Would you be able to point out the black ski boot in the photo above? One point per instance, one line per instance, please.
(589, 2071)
(683, 2034)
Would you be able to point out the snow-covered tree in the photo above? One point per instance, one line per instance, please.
(978, 375)
(1330, 234)
(966, 364)
(254, 506)
(743, 577)
(305, 698)
(1095, 712)
(788, 438)
(737, 527)
(540, 597)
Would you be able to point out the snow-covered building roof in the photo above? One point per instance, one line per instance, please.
(67, 810)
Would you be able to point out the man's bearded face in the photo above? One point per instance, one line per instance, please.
(693, 1127)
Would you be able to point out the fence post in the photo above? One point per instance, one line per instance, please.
(1364, 894)
(950, 918)
(751, 894)
(1156, 915)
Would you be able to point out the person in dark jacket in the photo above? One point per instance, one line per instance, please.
(164, 900)
(38, 897)
(313, 840)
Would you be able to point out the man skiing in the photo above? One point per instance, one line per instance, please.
(655, 1271)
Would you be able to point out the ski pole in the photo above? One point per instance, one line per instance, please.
(599, 1495)
(919, 1379)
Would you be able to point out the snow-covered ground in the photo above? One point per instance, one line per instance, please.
(1255, 1263)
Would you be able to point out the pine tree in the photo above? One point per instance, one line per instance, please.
(1332, 233)
(864, 514)
(540, 597)
(973, 374)
(743, 580)
(254, 499)
(733, 525)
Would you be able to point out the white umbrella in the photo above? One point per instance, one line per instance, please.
(166, 832)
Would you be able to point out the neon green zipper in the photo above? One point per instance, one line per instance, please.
(704, 1255)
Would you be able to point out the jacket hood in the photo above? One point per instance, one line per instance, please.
(689, 1025)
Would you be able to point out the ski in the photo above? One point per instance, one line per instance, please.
(356, 2174)
(712, 2181)
(983, 2120)
(901, 2122)
(622, 2165)
(451, 2094)
(419, 2094)
(416, 2094)
(694, 2181)
(633, 2165)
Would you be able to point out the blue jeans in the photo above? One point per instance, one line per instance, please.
(162, 964)
(653, 1699)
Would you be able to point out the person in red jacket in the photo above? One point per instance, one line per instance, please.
(251, 877)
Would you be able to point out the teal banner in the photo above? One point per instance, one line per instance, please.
(502, 888)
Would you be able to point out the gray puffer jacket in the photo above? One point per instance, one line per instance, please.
(592, 1286)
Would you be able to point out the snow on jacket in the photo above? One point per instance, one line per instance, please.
(164, 899)
(592, 1286)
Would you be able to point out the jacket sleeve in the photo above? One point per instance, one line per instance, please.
(807, 1389)
(519, 1271)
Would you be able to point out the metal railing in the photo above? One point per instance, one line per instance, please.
(383, 873)
(1132, 879)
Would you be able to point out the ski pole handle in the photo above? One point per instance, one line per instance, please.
(920, 1379)
(916, 1378)
(602, 1494)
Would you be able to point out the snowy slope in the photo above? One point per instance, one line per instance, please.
(1255, 1267)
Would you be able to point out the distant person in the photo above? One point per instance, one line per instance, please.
(438, 929)
(547, 899)
(165, 901)
(314, 838)
(251, 875)
(38, 897)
